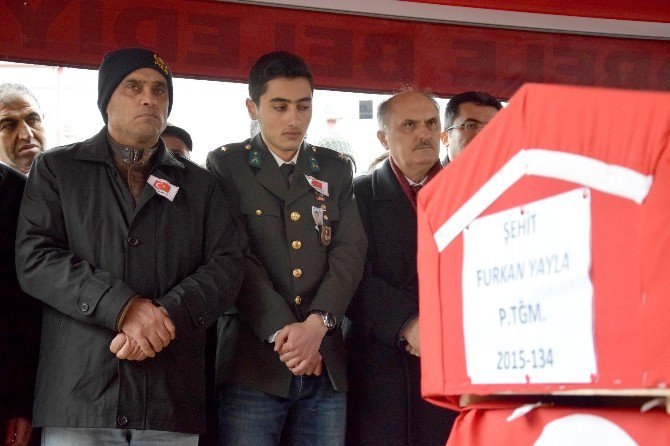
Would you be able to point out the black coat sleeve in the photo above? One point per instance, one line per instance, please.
(202, 297)
(45, 266)
(19, 313)
(378, 307)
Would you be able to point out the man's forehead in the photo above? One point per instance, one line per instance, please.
(283, 99)
(474, 111)
(20, 105)
(288, 89)
(145, 75)
(413, 105)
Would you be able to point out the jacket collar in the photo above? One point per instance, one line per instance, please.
(97, 149)
(385, 185)
(271, 178)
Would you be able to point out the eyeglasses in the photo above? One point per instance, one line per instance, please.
(468, 126)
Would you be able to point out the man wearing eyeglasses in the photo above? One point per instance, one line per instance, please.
(464, 117)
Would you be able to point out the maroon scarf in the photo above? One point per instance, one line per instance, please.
(404, 184)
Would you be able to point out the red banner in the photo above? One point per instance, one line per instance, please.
(219, 40)
(651, 10)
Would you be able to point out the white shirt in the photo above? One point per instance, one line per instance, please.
(280, 161)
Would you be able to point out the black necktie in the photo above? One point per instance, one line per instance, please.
(287, 170)
(416, 188)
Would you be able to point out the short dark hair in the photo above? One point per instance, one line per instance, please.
(178, 132)
(384, 108)
(11, 92)
(476, 97)
(273, 65)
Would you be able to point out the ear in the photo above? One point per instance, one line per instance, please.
(251, 109)
(445, 138)
(381, 136)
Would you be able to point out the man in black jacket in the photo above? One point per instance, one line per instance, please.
(19, 323)
(385, 405)
(98, 244)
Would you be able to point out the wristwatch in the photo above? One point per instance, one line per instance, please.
(328, 320)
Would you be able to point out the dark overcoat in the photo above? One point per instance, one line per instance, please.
(19, 313)
(84, 250)
(385, 406)
(291, 269)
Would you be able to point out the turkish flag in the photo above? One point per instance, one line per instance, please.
(549, 140)
(162, 185)
(561, 426)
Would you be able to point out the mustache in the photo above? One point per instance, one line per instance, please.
(424, 145)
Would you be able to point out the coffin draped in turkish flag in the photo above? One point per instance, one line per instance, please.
(551, 426)
(544, 249)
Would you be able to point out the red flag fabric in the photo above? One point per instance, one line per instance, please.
(552, 139)
(555, 426)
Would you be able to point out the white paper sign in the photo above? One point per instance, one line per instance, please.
(527, 293)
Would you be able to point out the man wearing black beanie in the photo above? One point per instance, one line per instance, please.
(128, 294)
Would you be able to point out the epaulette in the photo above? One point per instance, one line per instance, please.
(333, 154)
(234, 147)
(330, 153)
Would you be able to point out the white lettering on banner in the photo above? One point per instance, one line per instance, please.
(527, 293)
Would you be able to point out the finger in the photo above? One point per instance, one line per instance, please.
(145, 346)
(281, 338)
(156, 342)
(302, 368)
(126, 350)
(117, 343)
(283, 357)
(137, 355)
(164, 335)
(319, 368)
(293, 362)
(169, 326)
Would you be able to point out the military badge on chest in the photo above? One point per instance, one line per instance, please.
(320, 213)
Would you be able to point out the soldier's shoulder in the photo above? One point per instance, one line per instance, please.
(329, 154)
(232, 148)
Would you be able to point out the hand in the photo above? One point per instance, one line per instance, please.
(149, 326)
(17, 432)
(411, 335)
(126, 348)
(298, 345)
(318, 367)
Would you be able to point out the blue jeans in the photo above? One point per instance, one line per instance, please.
(71, 436)
(313, 414)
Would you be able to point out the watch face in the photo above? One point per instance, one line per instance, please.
(329, 321)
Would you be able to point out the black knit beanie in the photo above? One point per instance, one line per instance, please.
(116, 65)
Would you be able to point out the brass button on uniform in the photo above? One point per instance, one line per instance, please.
(297, 273)
(259, 212)
(298, 300)
(296, 244)
(295, 216)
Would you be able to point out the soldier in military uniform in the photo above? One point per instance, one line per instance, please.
(281, 361)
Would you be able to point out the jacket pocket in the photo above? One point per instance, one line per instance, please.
(260, 221)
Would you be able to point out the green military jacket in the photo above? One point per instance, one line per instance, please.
(307, 250)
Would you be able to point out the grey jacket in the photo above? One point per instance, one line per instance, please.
(84, 250)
